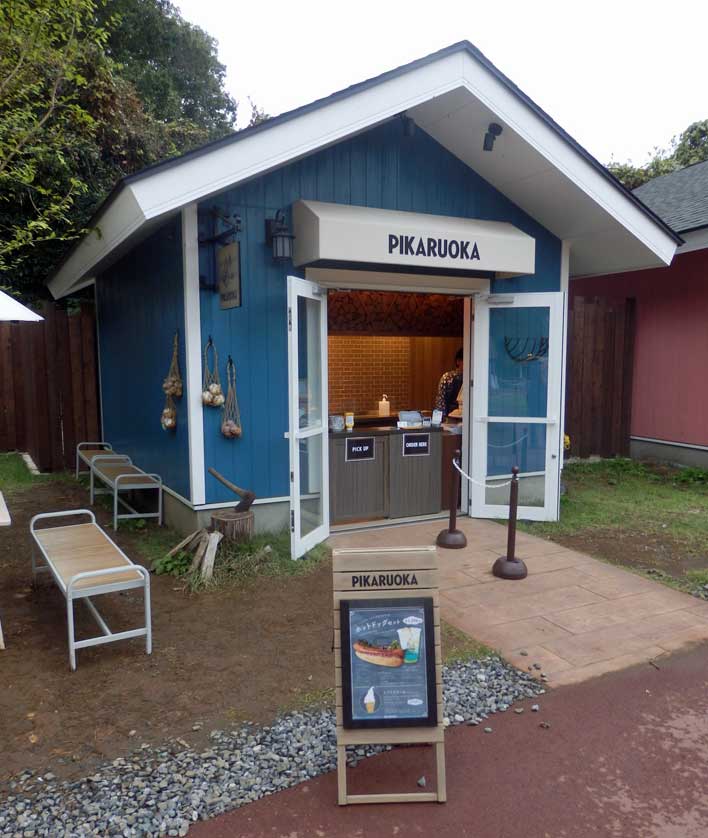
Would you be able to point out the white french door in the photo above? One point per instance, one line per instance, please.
(308, 435)
(518, 356)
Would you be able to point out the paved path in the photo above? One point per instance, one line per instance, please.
(577, 617)
(626, 756)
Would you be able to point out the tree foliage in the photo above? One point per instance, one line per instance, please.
(42, 123)
(172, 64)
(73, 117)
(690, 147)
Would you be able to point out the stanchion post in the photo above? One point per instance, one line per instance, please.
(452, 538)
(509, 567)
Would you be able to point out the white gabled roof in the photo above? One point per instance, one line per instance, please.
(453, 95)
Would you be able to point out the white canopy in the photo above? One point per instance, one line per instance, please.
(342, 233)
(10, 309)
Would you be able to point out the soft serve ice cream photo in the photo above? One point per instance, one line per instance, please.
(370, 701)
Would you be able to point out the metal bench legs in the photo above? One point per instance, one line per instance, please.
(107, 635)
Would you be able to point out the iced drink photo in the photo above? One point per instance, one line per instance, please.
(409, 639)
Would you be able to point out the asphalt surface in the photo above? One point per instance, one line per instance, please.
(625, 755)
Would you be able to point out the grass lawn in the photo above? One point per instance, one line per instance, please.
(648, 517)
(15, 476)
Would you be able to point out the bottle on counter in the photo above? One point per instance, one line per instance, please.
(349, 421)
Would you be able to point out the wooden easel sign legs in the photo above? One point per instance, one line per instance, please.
(388, 659)
(438, 796)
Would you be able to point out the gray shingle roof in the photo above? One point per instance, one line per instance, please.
(679, 198)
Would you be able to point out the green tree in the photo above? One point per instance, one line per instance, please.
(42, 123)
(690, 147)
(71, 125)
(172, 64)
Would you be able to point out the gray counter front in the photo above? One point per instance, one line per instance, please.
(384, 473)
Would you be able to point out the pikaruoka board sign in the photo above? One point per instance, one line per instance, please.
(388, 661)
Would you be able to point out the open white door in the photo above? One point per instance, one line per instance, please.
(518, 355)
(307, 389)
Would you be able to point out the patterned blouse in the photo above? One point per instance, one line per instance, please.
(448, 390)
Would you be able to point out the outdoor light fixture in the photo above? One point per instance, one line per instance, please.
(278, 235)
(493, 132)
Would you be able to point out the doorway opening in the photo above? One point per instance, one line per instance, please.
(395, 372)
(369, 466)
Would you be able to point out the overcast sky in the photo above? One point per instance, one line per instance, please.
(621, 77)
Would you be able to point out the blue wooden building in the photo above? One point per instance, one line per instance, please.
(439, 177)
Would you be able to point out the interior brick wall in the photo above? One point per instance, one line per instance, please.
(362, 368)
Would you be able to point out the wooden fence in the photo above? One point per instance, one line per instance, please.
(599, 376)
(49, 386)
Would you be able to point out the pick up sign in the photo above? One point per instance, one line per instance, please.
(359, 448)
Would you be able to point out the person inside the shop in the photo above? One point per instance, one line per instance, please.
(449, 387)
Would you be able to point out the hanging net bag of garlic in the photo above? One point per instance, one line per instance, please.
(172, 388)
(231, 419)
(212, 394)
(172, 385)
(169, 415)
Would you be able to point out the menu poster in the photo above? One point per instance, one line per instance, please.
(388, 663)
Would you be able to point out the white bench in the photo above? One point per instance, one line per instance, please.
(86, 451)
(118, 474)
(85, 562)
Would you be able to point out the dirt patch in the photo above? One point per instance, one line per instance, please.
(218, 659)
(637, 550)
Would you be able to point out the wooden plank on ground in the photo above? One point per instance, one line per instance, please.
(199, 553)
(185, 543)
(210, 555)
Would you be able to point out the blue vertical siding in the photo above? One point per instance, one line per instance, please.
(140, 306)
(380, 168)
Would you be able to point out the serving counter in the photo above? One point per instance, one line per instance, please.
(385, 472)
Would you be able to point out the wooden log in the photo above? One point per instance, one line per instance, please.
(186, 543)
(208, 564)
(199, 554)
(236, 526)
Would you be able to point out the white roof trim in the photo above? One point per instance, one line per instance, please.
(194, 178)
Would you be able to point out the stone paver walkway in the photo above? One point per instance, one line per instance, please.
(576, 616)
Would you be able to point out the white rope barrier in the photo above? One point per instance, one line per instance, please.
(509, 444)
(476, 482)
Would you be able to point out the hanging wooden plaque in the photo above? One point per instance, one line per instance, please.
(228, 275)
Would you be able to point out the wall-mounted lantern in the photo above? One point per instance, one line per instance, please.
(280, 238)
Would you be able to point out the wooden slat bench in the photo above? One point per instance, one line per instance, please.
(86, 451)
(118, 474)
(85, 562)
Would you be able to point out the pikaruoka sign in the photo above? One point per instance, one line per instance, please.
(337, 234)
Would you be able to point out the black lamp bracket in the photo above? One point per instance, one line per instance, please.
(231, 222)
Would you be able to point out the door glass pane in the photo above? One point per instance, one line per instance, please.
(311, 514)
(518, 361)
(516, 444)
(309, 372)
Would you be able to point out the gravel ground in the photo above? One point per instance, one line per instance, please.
(161, 791)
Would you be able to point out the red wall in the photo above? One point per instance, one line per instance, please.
(670, 384)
